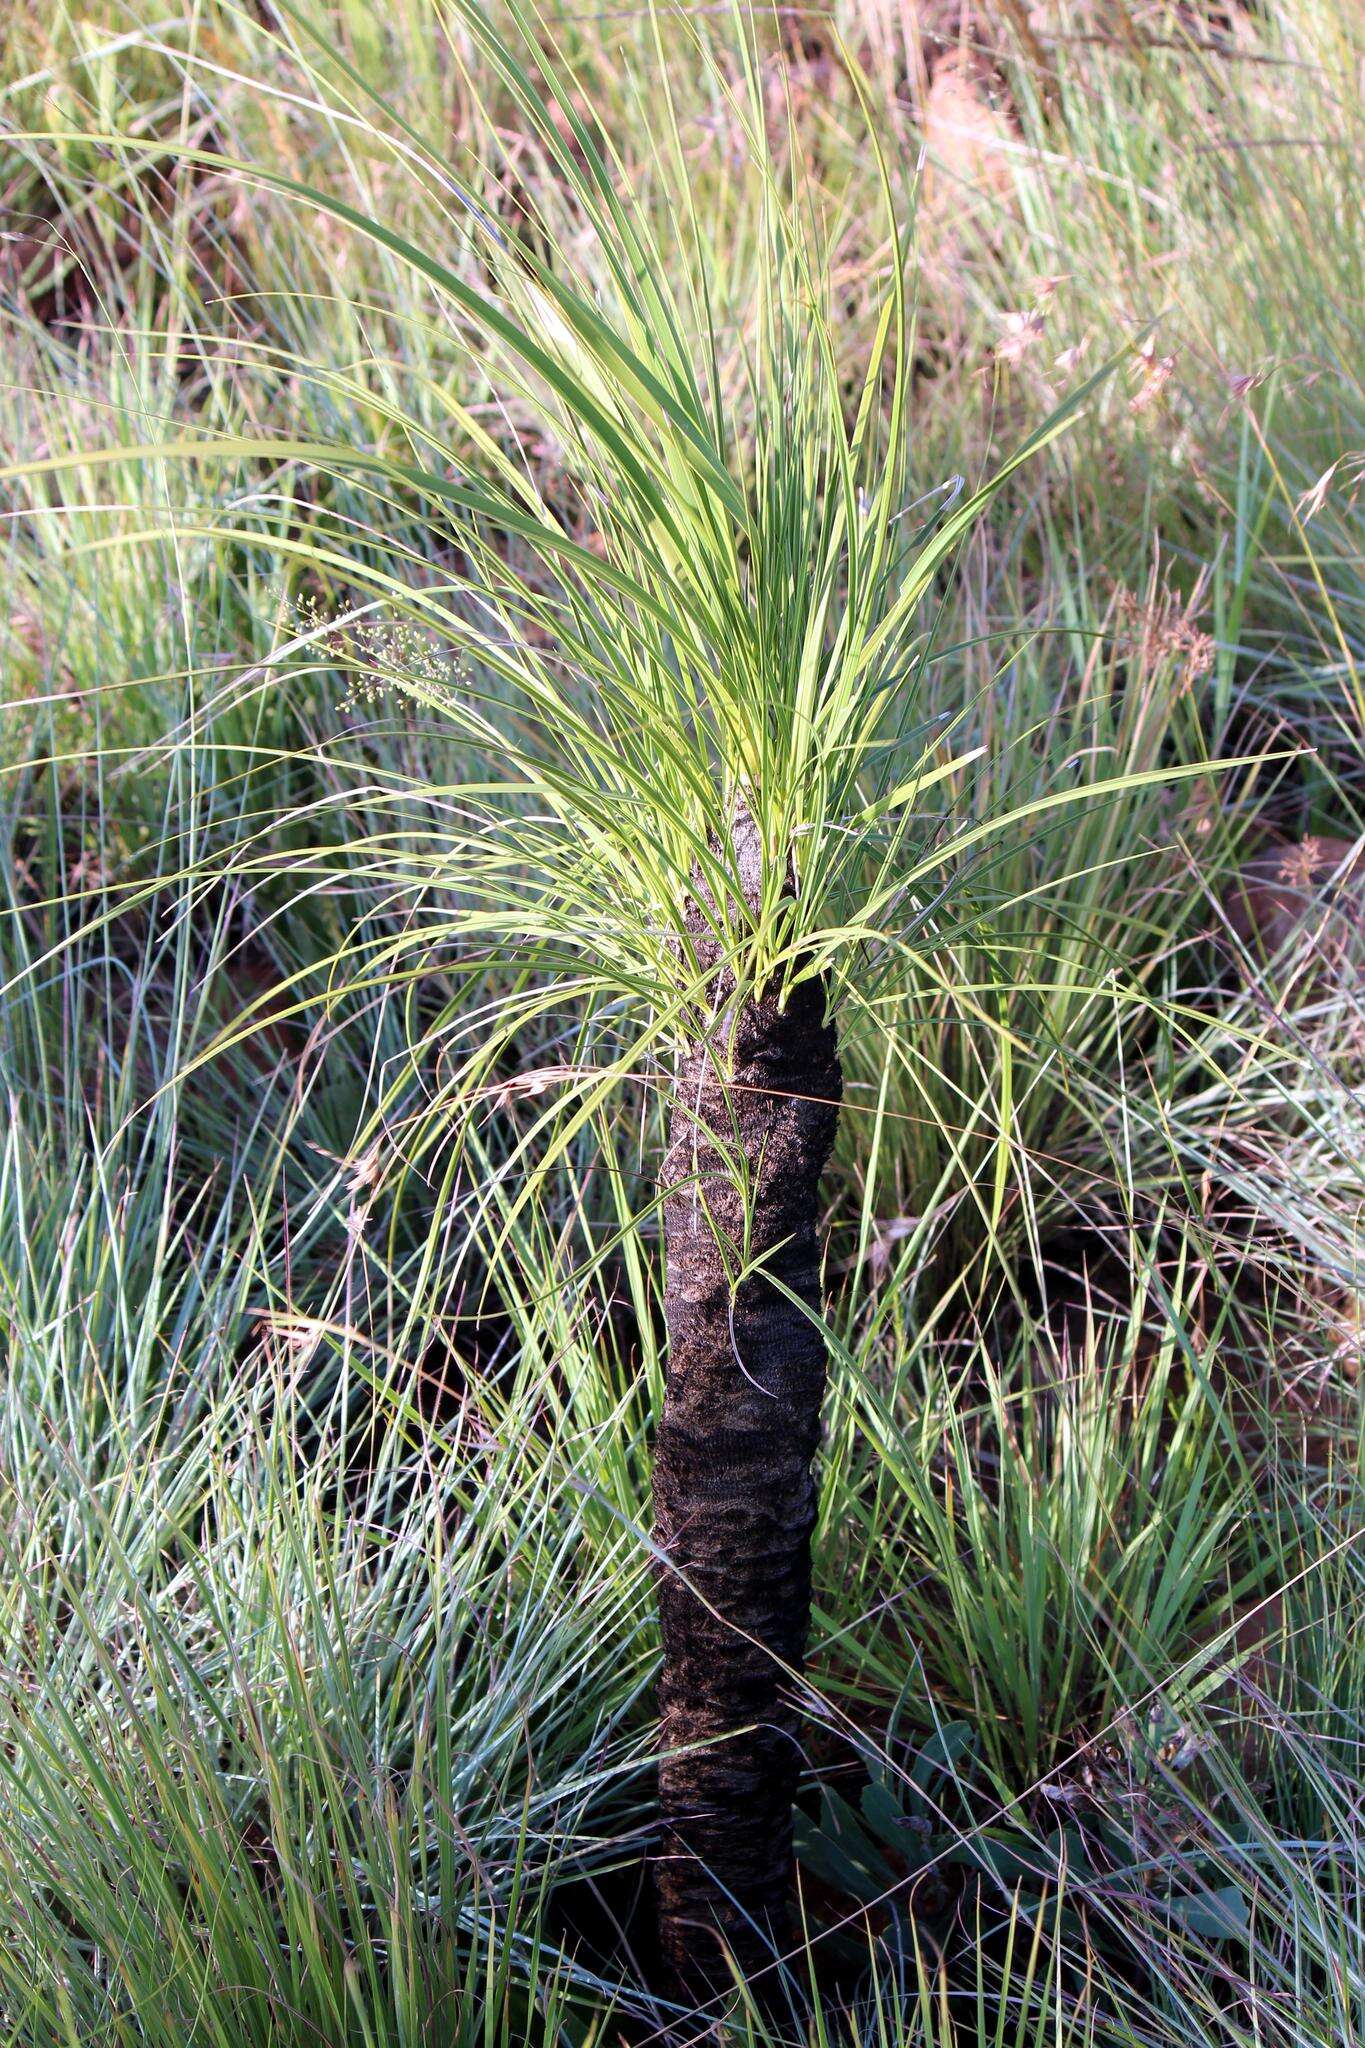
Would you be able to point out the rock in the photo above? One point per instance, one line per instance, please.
(1300, 904)
(966, 139)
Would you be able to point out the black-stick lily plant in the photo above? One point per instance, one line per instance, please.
(689, 676)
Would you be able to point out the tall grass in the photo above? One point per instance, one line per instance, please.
(325, 1635)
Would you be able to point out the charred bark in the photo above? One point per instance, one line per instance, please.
(752, 1123)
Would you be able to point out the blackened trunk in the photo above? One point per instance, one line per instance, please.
(752, 1123)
